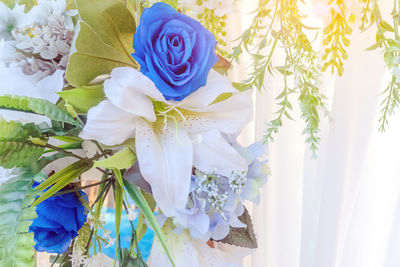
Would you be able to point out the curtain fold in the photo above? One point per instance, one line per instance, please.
(341, 209)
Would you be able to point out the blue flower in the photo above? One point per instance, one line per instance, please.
(58, 222)
(175, 51)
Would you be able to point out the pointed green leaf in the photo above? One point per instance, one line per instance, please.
(38, 106)
(142, 204)
(120, 160)
(118, 196)
(62, 182)
(84, 98)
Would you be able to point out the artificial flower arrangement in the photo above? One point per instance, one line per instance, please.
(134, 94)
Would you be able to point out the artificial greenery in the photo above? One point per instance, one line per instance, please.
(16, 215)
(280, 24)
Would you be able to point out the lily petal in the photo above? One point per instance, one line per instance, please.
(222, 255)
(228, 116)
(130, 90)
(215, 152)
(108, 124)
(129, 100)
(181, 248)
(165, 161)
(187, 251)
(216, 85)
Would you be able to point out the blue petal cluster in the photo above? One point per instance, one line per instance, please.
(58, 222)
(175, 51)
(216, 202)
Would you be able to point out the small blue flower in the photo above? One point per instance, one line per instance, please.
(175, 51)
(58, 222)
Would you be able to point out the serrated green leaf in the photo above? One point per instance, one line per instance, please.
(103, 41)
(242, 237)
(16, 215)
(18, 154)
(38, 106)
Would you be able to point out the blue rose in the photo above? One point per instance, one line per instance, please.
(58, 222)
(175, 51)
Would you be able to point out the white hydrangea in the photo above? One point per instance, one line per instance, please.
(51, 43)
(12, 19)
(46, 8)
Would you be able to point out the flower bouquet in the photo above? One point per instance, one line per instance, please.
(133, 94)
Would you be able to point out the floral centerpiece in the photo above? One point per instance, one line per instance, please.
(135, 94)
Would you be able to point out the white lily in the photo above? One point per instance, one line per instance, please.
(15, 82)
(171, 137)
(187, 251)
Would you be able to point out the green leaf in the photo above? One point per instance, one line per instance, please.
(103, 41)
(16, 215)
(120, 160)
(68, 139)
(129, 261)
(222, 66)
(142, 204)
(386, 26)
(242, 237)
(38, 106)
(15, 148)
(44, 161)
(62, 179)
(118, 197)
(15, 131)
(84, 98)
(19, 154)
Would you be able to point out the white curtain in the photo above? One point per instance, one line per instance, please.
(343, 208)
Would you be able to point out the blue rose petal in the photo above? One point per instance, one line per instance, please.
(58, 222)
(175, 51)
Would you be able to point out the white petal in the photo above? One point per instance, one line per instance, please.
(130, 90)
(187, 251)
(15, 82)
(129, 77)
(165, 161)
(180, 247)
(216, 85)
(47, 87)
(222, 255)
(214, 152)
(108, 124)
(228, 116)
(129, 100)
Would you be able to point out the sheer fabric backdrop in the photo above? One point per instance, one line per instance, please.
(343, 208)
